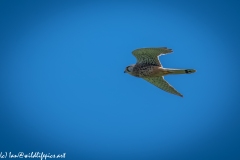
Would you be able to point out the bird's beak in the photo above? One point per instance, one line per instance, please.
(125, 72)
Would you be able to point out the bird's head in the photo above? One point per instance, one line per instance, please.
(129, 69)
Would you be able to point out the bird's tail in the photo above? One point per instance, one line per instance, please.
(180, 71)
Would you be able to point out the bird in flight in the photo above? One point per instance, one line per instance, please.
(150, 69)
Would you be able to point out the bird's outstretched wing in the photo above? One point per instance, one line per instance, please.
(149, 56)
(162, 84)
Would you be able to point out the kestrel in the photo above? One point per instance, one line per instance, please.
(150, 69)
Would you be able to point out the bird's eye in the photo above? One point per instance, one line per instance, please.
(128, 69)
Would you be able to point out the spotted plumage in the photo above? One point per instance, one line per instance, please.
(150, 69)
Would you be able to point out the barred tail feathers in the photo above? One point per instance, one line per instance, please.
(180, 71)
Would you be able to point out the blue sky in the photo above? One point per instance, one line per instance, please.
(62, 86)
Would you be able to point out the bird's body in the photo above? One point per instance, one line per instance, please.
(150, 69)
(147, 71)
